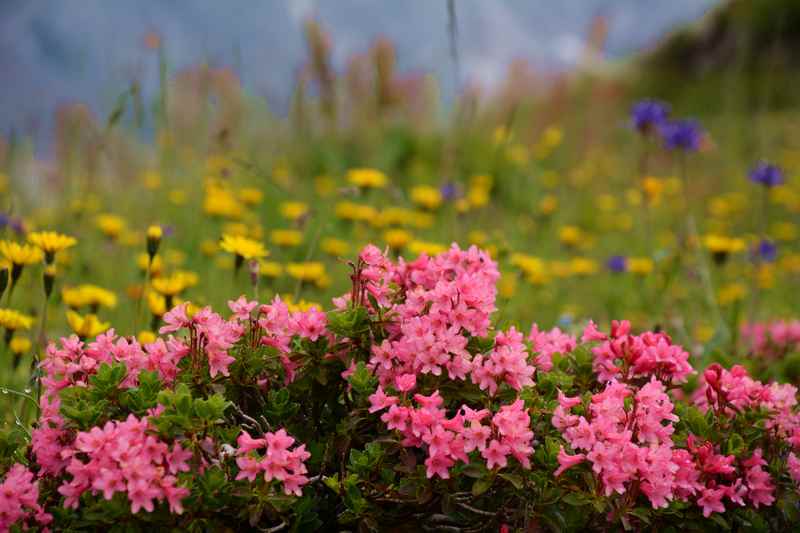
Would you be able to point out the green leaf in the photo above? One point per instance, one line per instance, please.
(515, 480)
(482, 485)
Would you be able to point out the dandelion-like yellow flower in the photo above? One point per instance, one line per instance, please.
(270, 269)
(289, 238)
(243, 247)
(86, 327)
(12, 320)
(367, 178)
(20, 345)
(306, 271)
(20, 254)
(293, 210)
(110, 225)
(429, 248)
(426, 196)
(335, 247)
(640, 265)
(170, 286)
(51, 243)
(250, 196)
(570, 235)
(397, 239)
(88, 295)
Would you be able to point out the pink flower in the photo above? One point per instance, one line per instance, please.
(711, 501)
(405, 382)
(495, 454)
(567, 461)
(379, 400)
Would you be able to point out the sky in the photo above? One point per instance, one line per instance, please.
(55, 51)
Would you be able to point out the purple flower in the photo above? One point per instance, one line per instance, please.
(617, 264)
(766, 174)
(647, 115)
(449, 191)
(766, 250)
(682, 135)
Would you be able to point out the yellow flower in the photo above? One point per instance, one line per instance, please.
(720, 246)
(640, 265)
(367, 178)
(20, 254)
(430, 248)
(110, 225)
(221, 202)
(477, 237)
(146, 337)
(732, 293)
(307, 271)
(51, 242)
(286, 237)
(653, 189)
(86, 327)
(209, 247)
(354, 211)
(12, 320)
(270, 269)
(335, 247)
(548, 204)
(156, 303)
(175, 284)
(20, 345)
(88, 295)
(301, 305)
(250, 196)
(426, 196)
(582, 266)
(243, 247)
(606, 203)
(397, 238)
(570, 235)
(156, 266)
(784, 231)
(293, 210)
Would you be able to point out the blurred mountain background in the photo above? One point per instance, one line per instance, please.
(54, 52)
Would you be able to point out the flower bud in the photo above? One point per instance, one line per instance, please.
(154, 234)
(49, 278)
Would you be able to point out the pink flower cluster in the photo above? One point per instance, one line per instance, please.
(19, 500)
(773, 339)
(73, 363)
(623, 445)
(730, 391)
(125, 457)
(716, 477)
(436, 300)
(547, 343)
(625, 356)
(209, 333)
(449, 440)
(277, 462)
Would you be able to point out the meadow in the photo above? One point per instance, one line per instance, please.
(595, 202)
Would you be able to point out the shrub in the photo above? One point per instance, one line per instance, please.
(404, 407)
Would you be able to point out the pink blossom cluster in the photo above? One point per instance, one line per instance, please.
(210, 334)
(730, 391)
(547, 343)
(435, 301)
(717, 477)
(626, 447)
(125, 457)
(625, 356)
(75, 361)
(19, 501)
(448, 440)
(772, 339)
(271, 456)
